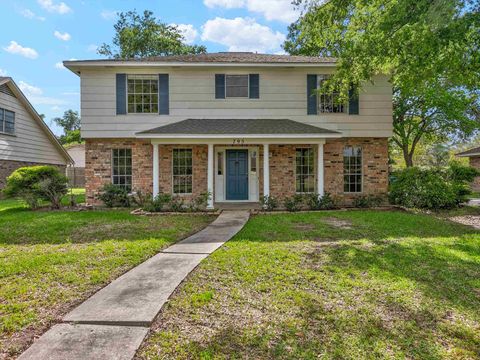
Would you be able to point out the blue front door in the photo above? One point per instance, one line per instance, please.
(237, 174)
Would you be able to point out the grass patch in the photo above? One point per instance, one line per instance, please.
(371, 284)
(52, 260)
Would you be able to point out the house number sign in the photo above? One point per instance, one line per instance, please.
(239, 141)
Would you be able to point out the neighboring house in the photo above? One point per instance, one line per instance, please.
(474, 160)
(76, 172)
(240, 125)
(24, 138)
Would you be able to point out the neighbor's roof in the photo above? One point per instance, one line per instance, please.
(241, 127)
(23, 99)
(470, 152)
(210, 59)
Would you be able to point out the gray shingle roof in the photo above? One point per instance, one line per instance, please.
(474, 151)
(232, 57)
(236, 127)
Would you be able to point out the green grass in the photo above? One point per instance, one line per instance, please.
(330, 285)
(52, 260)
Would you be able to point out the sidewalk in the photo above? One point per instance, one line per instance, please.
(113, 323)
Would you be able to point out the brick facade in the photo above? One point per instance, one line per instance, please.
(475, 162)
(98, 165)
(282, 167)
(9, 166)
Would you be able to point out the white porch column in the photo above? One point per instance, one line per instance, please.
(156, 170)
(320, 171)
(266, 170)
(210, 176)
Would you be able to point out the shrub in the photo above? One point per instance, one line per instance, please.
(200, 202)
(462, 174)
(114, 196)
(367, 201)
(35, 183)
(158, 203)
(293, 203)
(317, 202)
(269, 203)
(425, 189)
(141, 199)
(177, 204)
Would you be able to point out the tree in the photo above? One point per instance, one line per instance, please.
(138, 36)
(69, 121)
(430, 48)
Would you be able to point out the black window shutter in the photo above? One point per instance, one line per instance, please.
(121, 89)
(353, 106)
(163, 94)
(219, 86)
(254, 83)
(311, 94)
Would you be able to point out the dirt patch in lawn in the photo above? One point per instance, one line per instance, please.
(471, 220)
(338, 223)
(304, 227)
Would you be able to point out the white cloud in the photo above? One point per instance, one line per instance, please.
(188, 32)
(242, 34)
(65, 36)
(29, 90)
(281, 10)
(56, 108)
(3, 72)
(15, 48)
(50, 6)
(35, 95)
(59, 65)
(228, 4)
(29, 14)
(109, 14)
(92, 48)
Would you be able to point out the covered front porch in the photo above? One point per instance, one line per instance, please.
(239, 161)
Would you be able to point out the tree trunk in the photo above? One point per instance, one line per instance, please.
(407, 156)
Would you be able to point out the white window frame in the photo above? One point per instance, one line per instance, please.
(349, 173)
(173, 175)
(150, 77)
(314, 170)
(320, 78)
(117, 176)
(3, 122)
(248, 87)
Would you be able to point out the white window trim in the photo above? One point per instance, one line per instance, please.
(126, 92)
(2, 131)
(345, 105)
(112, 165)
(173, 176)
(361, 175)
(314, 169)
(238, 97)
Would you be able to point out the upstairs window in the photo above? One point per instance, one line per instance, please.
(236, 86)
(7, 121)
(182, 171)
(122, 168)
(142, 94)
(329, 102)
(352, 169)
(305, 173)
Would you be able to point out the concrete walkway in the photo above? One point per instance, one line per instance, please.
(113, 323)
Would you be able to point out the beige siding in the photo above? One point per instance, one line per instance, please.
(30, 142)
(192, 95)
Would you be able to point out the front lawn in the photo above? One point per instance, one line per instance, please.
(52, 260)
(330, 285)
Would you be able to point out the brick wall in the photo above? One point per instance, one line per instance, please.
(98, 165)
(282, 167)
(9, 166)
(475, 162)
(199, 162)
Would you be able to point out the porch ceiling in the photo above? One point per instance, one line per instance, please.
(247, 128)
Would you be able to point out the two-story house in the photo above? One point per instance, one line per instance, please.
(239, 125)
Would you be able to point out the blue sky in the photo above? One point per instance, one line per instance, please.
(37, 35)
